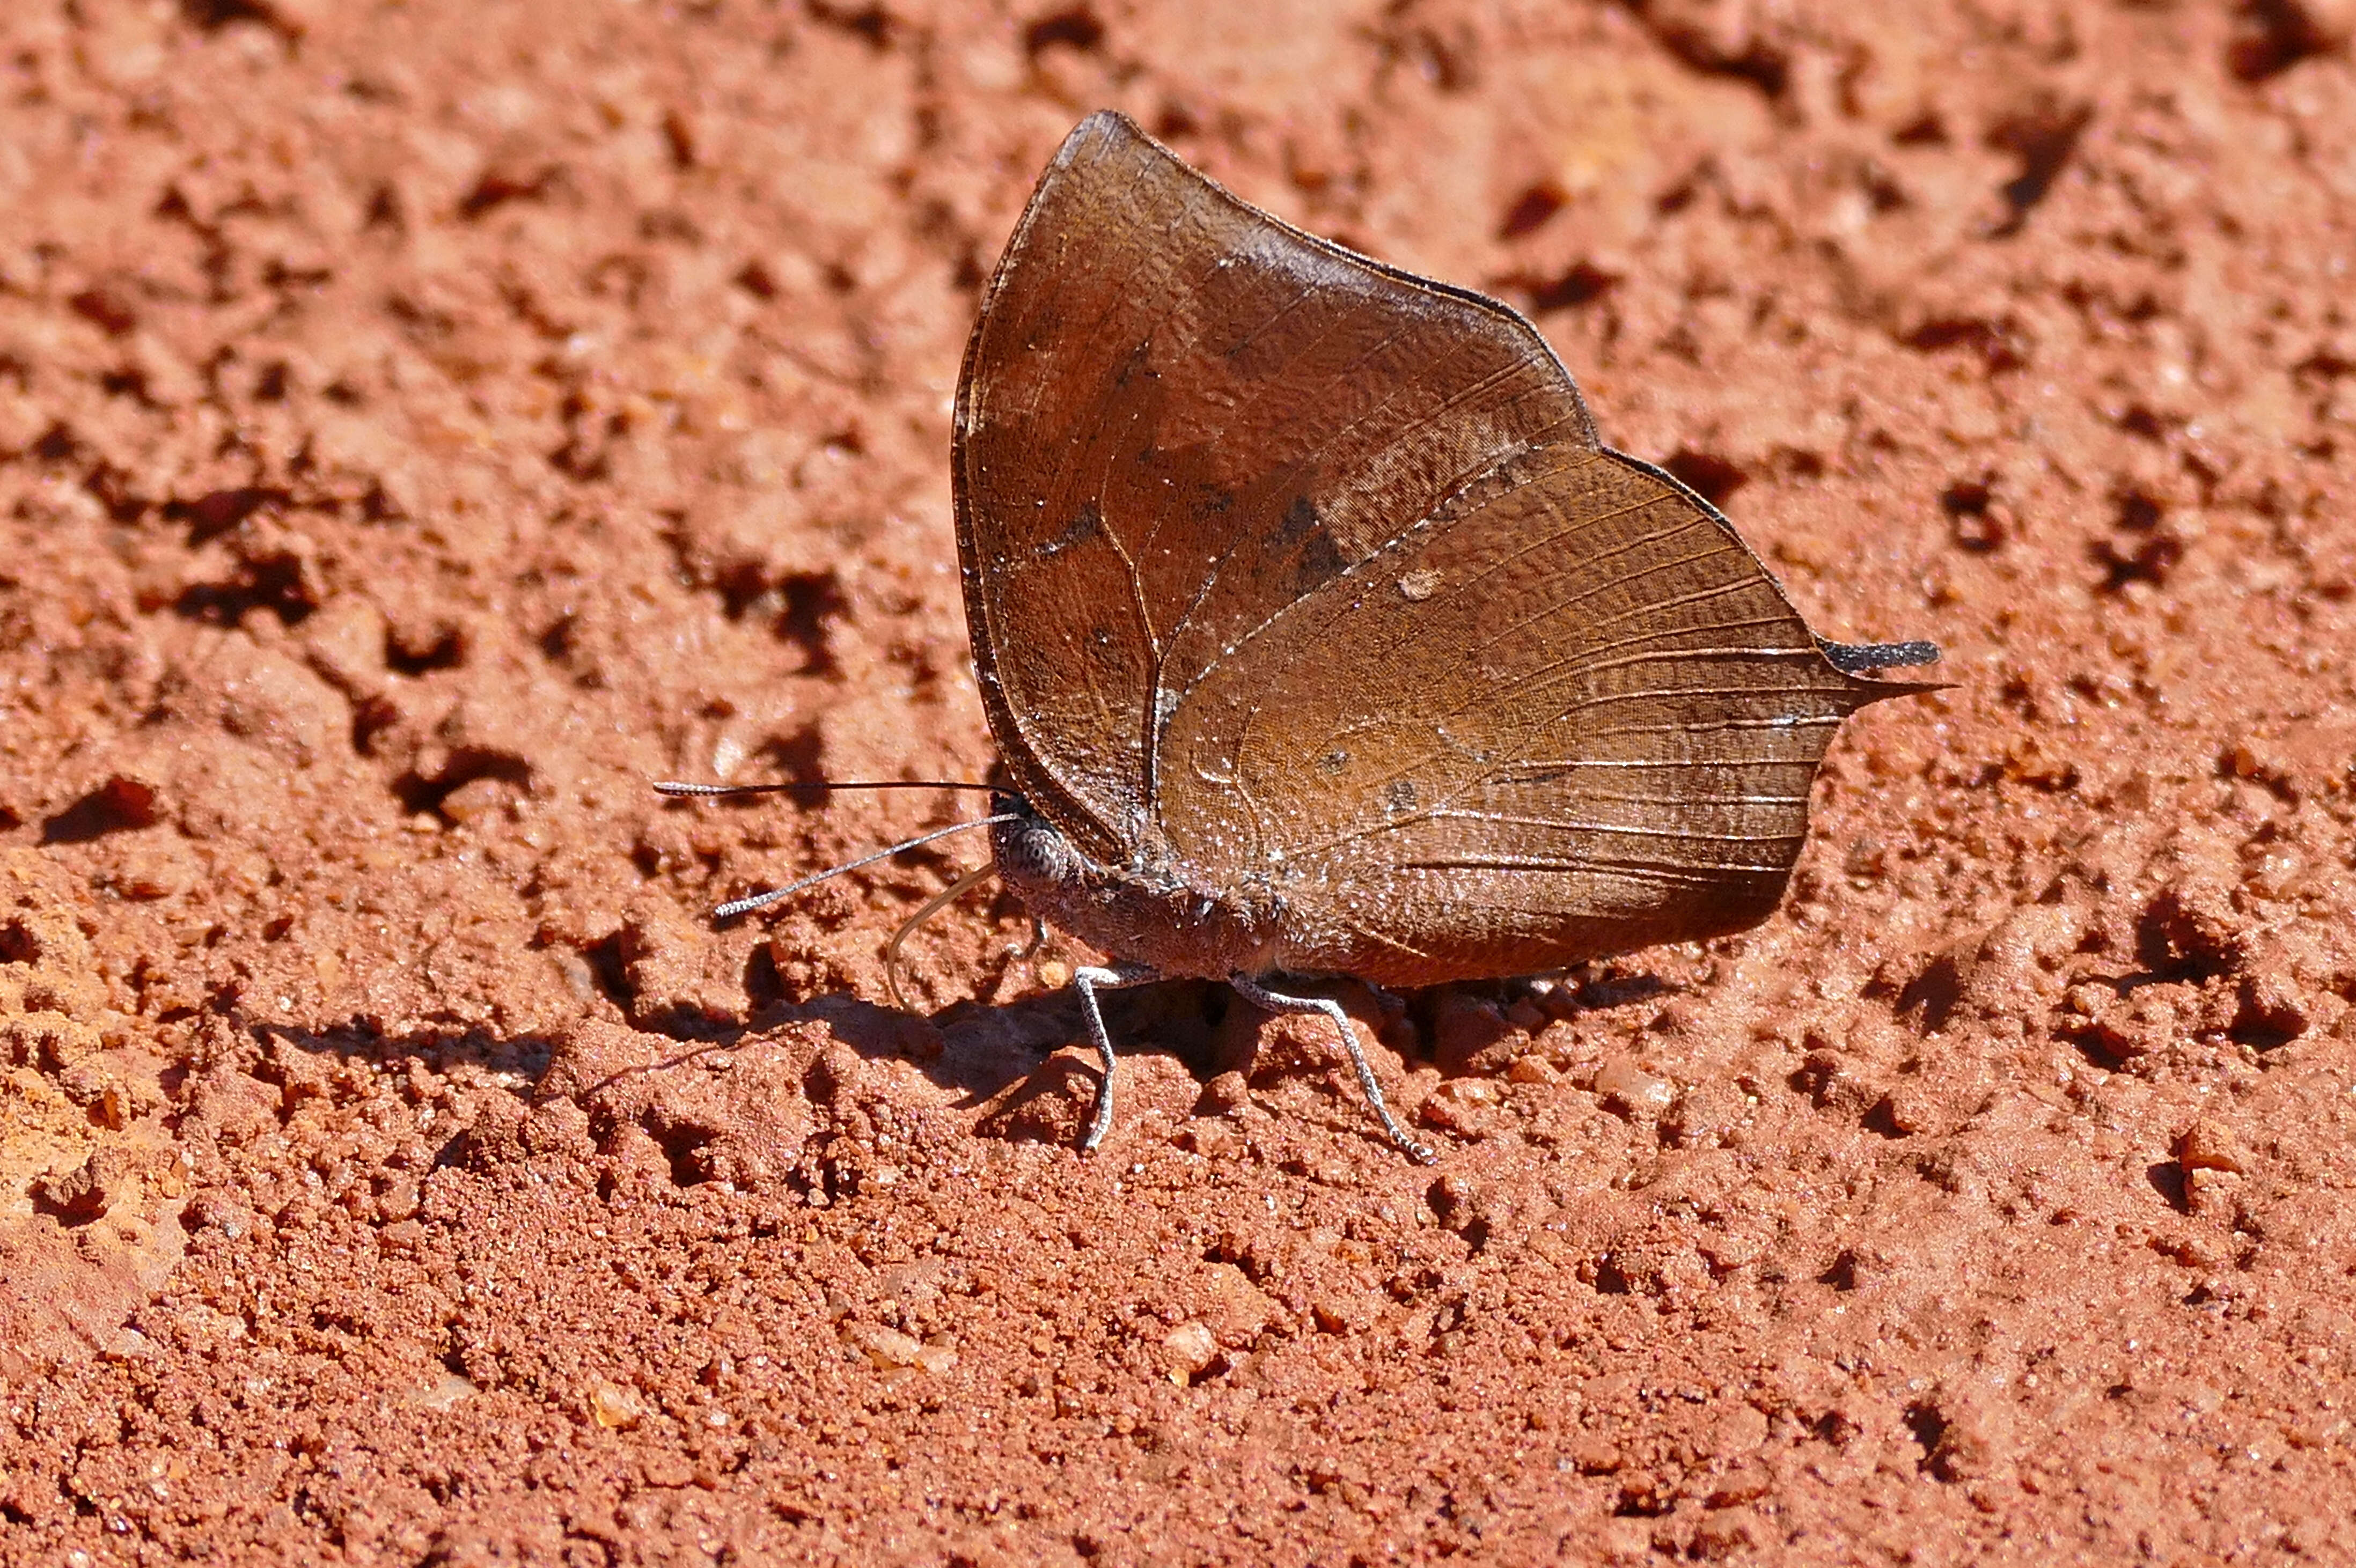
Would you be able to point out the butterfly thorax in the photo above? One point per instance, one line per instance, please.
(1150, 912)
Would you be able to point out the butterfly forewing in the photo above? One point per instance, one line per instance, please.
(1177, 417)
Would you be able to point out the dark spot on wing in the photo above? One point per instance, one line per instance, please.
(1082, 528)
(1137, 364)
(1320, 560)
(1398, 797)
(1315, 556)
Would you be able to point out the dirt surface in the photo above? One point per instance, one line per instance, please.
(422, 424)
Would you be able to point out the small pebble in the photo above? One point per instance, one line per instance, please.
(2209, 1145)
(615, 1408)
(1227, 1093)
(1192, 1348)
(1626, 1088)
(888, 1348)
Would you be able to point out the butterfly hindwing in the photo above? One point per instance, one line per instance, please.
(1572, 717)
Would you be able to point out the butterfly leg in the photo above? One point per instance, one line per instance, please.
(1260, 997)
(1088, 981)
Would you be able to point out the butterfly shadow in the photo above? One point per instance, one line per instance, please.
(1187, 1049)
(1027, 1066)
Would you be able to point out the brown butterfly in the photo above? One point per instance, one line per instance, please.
(1320, 635)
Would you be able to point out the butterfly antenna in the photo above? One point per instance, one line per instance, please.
(730, 911)
(933, 906)
(735, 906)
(678, 790)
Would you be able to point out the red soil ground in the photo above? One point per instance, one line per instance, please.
(422, 424)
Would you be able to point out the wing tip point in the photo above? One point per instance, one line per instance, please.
(1856, 658)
